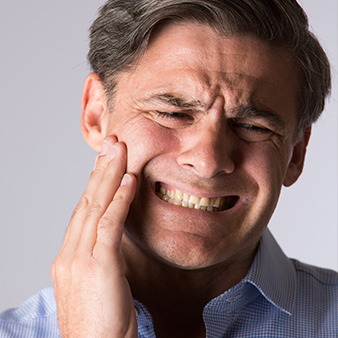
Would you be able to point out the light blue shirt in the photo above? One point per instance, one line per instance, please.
(278, 298)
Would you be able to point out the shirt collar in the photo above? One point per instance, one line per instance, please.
(273, 274)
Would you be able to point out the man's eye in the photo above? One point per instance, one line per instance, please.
(173, 115)
(250, 132)
(255, 129)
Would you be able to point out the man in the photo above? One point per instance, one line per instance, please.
(200, 112)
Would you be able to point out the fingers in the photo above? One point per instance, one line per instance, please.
(89, 193)
(104, 182)
(111, 224)
(106, 193)
(96, 176)
(89, 273)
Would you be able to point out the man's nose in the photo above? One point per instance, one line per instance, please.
(209, 151)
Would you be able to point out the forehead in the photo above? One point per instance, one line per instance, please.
(194, 60)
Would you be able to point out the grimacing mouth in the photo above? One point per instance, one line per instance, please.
(179, 198)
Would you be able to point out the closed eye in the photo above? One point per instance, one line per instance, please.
(251, 132)
(253, 128)
(174, 115)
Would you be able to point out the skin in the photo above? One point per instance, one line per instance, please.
(124, 239)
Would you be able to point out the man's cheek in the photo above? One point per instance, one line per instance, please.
(147, 144)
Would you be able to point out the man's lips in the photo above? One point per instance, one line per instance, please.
(179, 198)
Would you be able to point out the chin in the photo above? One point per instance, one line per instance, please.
(182, 250)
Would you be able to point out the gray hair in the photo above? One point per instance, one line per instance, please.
(119, 37)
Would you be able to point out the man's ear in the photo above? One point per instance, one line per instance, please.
(296, 163)
(94, 111)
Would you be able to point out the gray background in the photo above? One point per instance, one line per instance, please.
(46, 164)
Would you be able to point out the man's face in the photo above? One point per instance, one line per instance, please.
(213, 119)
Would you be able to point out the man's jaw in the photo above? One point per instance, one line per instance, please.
(179, 198)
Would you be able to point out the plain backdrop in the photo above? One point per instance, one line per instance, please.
(45, 163)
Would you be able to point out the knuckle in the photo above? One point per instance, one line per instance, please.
(108, 223)
(58, 268)
(119, 197)
(109, 232)
(74, 269)
(104, 222)
(84, 202)
(122, 195)
(82, 205)
(95, 207)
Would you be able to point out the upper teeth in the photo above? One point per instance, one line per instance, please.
(177, 197)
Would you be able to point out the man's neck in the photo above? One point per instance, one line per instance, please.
(176, 297)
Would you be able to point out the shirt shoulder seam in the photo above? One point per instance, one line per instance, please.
(302, 270)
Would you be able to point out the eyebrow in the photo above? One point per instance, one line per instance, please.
(177, 102)
(254, 112)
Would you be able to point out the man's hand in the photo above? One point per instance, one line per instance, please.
(92, 294)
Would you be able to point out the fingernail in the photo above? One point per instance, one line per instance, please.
(113, 153)
(125, 180)
(104, 148)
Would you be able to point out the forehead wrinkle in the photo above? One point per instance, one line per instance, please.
(175, 100)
